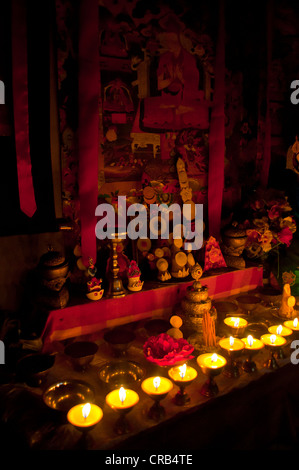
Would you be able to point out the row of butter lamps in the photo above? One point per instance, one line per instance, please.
(85, 417)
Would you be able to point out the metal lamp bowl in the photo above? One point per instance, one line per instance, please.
(248, 302)
(62, 396)
(33, 368)
(81, 353)
(119, 339)
(121, 373)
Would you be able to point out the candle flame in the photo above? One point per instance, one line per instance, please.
(183, 370)
(86, 410)
(214, 357)
(272, 339)
(237, 322)
(279, 330)
(157, 382)
(231, 341)
(295, 322)
(250, 340)
(122, 394)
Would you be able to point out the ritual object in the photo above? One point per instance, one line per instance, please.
(211, 365)
(182, 376)
(252, 347)
(196, 303)
(274, 343)
(122, 401)
(288, 302)
(232, 347)
(157, 388)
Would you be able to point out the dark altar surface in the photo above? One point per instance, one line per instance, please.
(255, 411)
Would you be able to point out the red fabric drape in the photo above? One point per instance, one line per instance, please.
(20, 106)
(88, 131)
(217, 134)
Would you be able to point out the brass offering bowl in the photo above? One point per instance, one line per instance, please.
(81, 353)
(34, 368)
(119, 340)
(248, 302)
(225, 308)
(270, 295)
(210, 387)
(62, 396)
(121, 373)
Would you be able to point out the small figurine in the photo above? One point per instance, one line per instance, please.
(163, 273)
(179, 268)
(94, 289)
(134, 273)
(288, 302)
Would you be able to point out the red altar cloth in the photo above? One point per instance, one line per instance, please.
(93, 316)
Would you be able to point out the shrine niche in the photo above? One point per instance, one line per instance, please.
(156, 80)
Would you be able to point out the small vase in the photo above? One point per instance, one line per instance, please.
(134, 284)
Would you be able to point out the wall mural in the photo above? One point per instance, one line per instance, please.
(156, 81)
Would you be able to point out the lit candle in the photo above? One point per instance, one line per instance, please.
(235, 322)
(84, 415)
(122, 399)
(292, 324)
(212, 361)
(280, 330)
(273, 340)
(231, 344)
(182, 373)
(155, 386)
(252, 343)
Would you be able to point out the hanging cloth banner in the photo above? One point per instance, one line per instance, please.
(88, 124)
(217, 135)
(20, 107)
(267, 138)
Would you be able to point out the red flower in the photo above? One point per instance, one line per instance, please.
(274, 212)
(164, 350)
(285, 236)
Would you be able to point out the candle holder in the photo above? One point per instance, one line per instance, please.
(157, 411)
(84, 423)
(116, 288)
(182, 376)
(252, 347)
(233, 348)
(236, 326)
(122, 407)
(273, 343)
(294, 326)
(211, 368)
(281, 330)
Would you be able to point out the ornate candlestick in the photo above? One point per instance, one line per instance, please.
(236, 326)
(157, 388)
(182, 376)
(273, 343)
(233, 347)
(252, 347)
(85, 417)
(116, 288)
(284, 331)
(122, 401)
(211, 365)
(293, 325)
